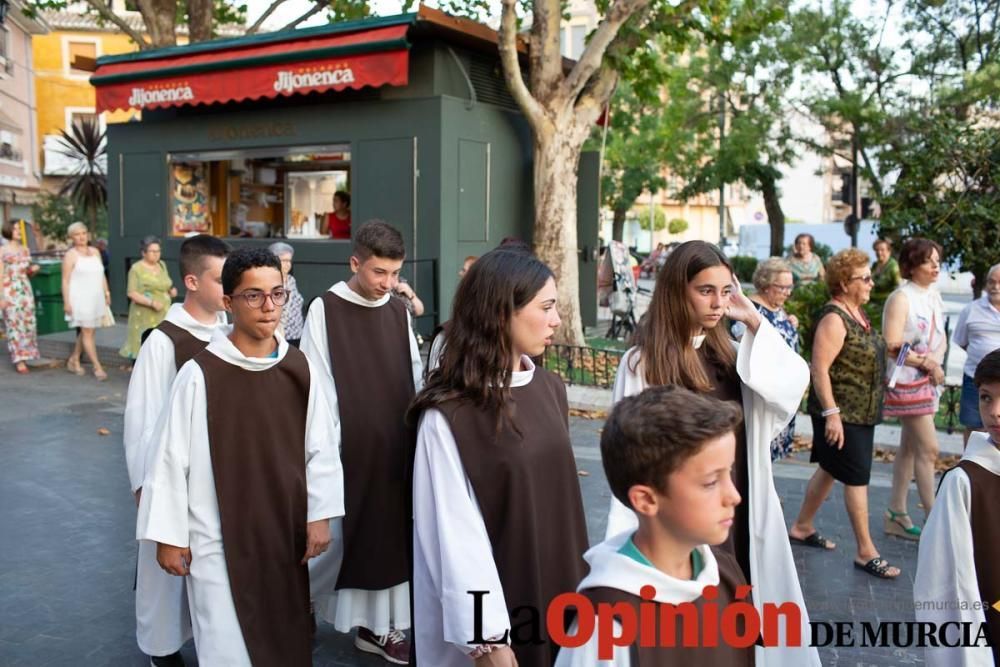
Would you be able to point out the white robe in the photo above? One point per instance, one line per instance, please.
(774, 378)
(348, 608)
(162, 620)
(452, 550)
(611, 569)
(946, 569)
(179, 504)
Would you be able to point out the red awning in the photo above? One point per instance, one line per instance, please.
(249, 69)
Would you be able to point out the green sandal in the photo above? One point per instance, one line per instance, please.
(893, 526)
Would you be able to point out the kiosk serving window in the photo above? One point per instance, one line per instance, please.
(266, 193)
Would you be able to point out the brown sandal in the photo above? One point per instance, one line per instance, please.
(74, 367)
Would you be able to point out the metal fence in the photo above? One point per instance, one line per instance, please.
(587, 366)
(594, 367)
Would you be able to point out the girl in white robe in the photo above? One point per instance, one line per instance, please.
(693, 292)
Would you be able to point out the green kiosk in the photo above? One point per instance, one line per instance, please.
(250, 139)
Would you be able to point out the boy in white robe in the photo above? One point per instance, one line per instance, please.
(957, 579)
(773, 380)
(667, 453)
(357, 333)
(163, 623)
(295, 487)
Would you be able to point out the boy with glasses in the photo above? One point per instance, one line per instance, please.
(246, 478)
(362, 340)
(163, 624)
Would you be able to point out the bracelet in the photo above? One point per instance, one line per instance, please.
(832, 411)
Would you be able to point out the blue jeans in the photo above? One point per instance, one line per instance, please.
(968, 410)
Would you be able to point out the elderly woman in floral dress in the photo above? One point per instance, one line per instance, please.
(17, 301)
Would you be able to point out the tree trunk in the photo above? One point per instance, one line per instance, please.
(200, 14)
(557, 158)
(775, 216)
(160, 18)
(618, 224)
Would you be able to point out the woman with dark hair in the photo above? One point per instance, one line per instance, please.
(914, 314)
(680, 342)
(807, 267)
(496, 499)
(17, 300)
(885, 272)
(150, 291)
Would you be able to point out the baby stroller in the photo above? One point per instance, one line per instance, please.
(620, 290)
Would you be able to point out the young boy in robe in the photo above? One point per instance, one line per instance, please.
(668, 455)
(162, 621)
(957, 578)
(361, 339)
(245, 479)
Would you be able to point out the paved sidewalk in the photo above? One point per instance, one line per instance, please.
(68, 557)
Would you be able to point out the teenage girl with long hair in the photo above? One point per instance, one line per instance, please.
(497, 504)
(683, 340)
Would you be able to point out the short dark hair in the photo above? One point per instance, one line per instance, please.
(808, 237)
(988, 370)
(377, 238)
(242, 260)
(650, 435)
(343, 196)
(915, 252)
(7, 230)
(515, 244)
(195, 249)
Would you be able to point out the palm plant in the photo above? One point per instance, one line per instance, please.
(86, 145)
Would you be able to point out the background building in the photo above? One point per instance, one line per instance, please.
(20, 173)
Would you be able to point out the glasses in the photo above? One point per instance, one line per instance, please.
(785, 289)
(867, 278)
(255, 298)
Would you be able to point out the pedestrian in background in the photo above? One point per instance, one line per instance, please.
(773, 282)
(86, 297)
(978, 333)
(17, 301)
(885, 273)
(914, 314)
(292, 316)
(845, 404)
(806, 265)
(150, 291)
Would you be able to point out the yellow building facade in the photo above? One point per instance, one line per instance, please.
(64, 93)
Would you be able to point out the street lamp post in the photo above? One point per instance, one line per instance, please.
(4, 6)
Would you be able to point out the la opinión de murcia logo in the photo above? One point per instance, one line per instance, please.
(289, 81)
(144, 96)
(738, 624)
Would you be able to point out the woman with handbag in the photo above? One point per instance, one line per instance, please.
(914, 314)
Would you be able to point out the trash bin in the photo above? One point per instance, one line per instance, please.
(47, 286)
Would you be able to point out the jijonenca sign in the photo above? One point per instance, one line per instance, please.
(289, 81)
(142, 97)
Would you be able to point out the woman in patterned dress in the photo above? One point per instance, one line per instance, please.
(17, 302)
(845, 403)
(150, 291)
(773, 282)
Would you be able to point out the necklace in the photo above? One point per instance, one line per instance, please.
(860, 317)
